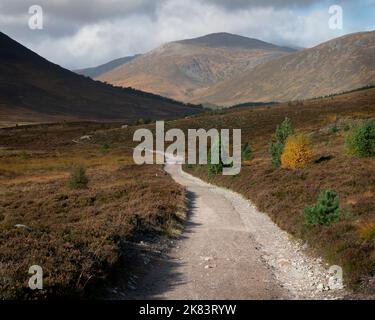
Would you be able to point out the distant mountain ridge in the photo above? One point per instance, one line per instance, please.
(224, 39)
(32, 88)
(104, 68)
(182, 69)
(226, 69)
(335, 66)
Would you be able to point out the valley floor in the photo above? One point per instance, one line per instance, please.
(229, 249)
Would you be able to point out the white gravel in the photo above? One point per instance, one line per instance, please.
(304, 276)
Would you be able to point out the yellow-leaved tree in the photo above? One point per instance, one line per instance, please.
(297, 153)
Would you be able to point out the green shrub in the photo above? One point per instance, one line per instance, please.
(360, 141)
(140, 121)
(326, 211)
(78, 179)
(276, 148)
(214, 169)
(247, 152)
(105, 148)
(24, 155)
(334, 129)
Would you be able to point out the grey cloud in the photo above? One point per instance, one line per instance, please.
(64, 17)
(278, 4)
(240, 4)
(82, 10)
(88, 11)
(80, 33)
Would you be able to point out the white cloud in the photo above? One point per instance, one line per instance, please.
(139, 27)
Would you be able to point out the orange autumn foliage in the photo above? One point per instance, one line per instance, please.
(297, 153)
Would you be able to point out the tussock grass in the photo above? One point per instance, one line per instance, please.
(367, 231)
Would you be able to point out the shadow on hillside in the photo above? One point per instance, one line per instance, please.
(147, 269)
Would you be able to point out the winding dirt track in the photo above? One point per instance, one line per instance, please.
(229, 250)
(220, 259)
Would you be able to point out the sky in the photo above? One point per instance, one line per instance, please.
(85, 33)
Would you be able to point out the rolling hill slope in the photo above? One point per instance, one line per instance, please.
(34, 89)
(336, 66)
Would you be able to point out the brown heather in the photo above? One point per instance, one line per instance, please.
(73, 234)
(283, 194)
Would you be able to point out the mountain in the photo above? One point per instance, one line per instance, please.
(182, 69)
(32, 88)
(227, 40)
(104, 68)
(335, 66)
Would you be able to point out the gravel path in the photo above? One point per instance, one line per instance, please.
(229, 250)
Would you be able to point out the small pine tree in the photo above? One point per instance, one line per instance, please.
(297, 152)
(214, 169)
(326, 211)
(360, 141)
(78, 179)
(334, 129)
(105, 148)
(247, 152)
(140, 121)
(276, 148)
